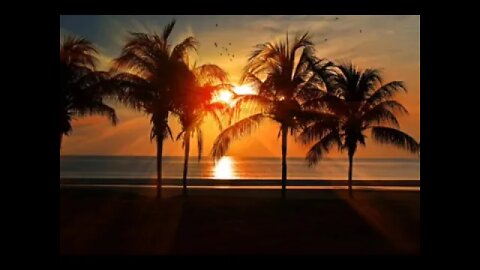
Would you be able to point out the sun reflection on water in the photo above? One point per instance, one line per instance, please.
(224, 169)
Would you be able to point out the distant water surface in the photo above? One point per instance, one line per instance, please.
(101, 167)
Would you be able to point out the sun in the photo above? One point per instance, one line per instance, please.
(224, 96)
(227, 96)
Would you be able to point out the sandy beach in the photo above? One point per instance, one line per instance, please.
(130, 220)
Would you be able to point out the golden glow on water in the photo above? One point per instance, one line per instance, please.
(224, 169)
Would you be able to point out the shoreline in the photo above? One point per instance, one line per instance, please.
(242, 187)
(238, 182)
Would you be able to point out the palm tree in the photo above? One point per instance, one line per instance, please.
(287, 83)
(196, 104)
(82, 88)
(153, 72)
(357, 100)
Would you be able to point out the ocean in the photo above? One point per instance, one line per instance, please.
(136, 167)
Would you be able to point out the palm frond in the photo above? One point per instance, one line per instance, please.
(199, 143)
(322, 67)
(250, 78)
(304, 63)
(167, 30)
(180, 134)
(318, 127)
(277, 62)
(169, 132)
(212, 109)
(300, 42)
(130, 60)
(330, 102)
(180, 51)
(269, 87)
(97, 82)
(391, 105)
(309, 85)
(98, 108)
(379, 115)
(369, 79)
(305, 116)
(133, 90)
(323, 146)
(395, 137)
(147, 47)
(210, 74)
(309, 92)
(265, 58)
(346, 82)
(386, 91)
(78, 51)
(234, 132)
(250, 104)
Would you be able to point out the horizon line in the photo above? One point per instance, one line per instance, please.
(208, 157)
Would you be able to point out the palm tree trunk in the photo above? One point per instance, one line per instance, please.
(159, 166)
(350, 168)
(185, 162)
(284, 161)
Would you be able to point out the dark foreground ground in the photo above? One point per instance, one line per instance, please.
(126, 221)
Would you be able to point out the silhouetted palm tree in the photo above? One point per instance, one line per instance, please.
(153, 73)
(357, 100)
(286, 85)
(82, 88)
(196, 104)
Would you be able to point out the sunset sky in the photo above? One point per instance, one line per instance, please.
(391, 43)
